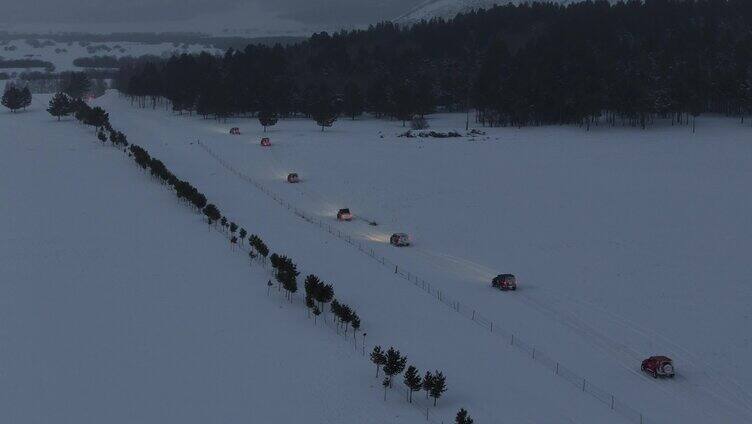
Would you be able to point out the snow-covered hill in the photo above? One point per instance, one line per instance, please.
(449, 8)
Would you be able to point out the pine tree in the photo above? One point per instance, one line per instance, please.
(378, 358)
(310, 285)
(336, 309)
(324, 293)
(438, 386)
(212, 213)
(413, 381)
(345, 316)
(427, 383)
(404, 101)
(395, 363)
(267, 118)
(324, 109)
(286, 274)
(652, 73)
(25, 97)
(95, 117)
(463, 417)
(259, 245)
(242, 234)
(12, 98)
(355, 323)
(316, 312)
(75, 84)
(353, 102)
(60, 105)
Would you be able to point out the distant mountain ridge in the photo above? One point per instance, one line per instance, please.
(449, 8)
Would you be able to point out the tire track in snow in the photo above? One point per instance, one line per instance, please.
(234, 172)
(627, 356)
(616, 349)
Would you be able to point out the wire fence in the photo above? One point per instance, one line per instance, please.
(607, 398)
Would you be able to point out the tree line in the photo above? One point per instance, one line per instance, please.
(393, 363)
(529, 64)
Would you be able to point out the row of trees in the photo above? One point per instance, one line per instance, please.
(527, 64)
(76, 84)
(16, 98)
(318, 293)
(393, 363)
(285, 270)
(62, 105)
(286, 273)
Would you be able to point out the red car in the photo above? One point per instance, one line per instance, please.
(505, 282)
(235, 131)
(293, 178)
(658, 366)
(344, 215)
(266, 142)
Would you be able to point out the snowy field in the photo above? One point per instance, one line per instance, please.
(62, 54)
(119, 306)
(246, 19)
(625, 243)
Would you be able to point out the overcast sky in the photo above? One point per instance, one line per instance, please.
(346, 12)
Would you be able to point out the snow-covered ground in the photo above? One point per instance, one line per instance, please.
(119, 306)
(245, 19)
(625, 243)
(62, 54)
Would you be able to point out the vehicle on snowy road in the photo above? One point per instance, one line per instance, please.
(399, 240)
(344, 215)
(658, 366)
(293, 178)
(235, 131)
(504, 282)
(265, 142)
